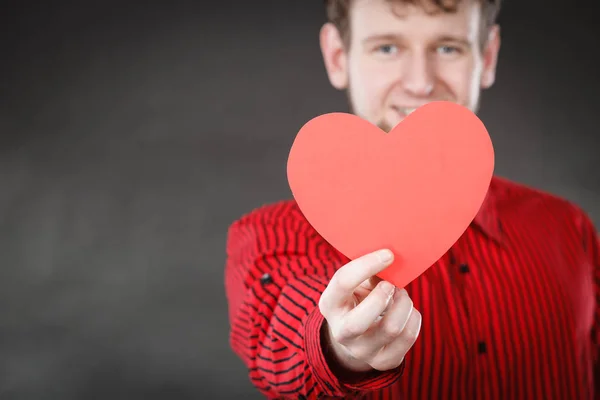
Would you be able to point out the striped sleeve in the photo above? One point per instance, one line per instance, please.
(276, 269)
(592, 247)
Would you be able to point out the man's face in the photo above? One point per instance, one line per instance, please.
(401, 57)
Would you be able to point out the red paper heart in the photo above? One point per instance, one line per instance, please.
(414, 190)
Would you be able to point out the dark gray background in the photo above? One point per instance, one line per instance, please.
(133, 134)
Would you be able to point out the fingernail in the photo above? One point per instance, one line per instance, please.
(387, 287)
(385, 256)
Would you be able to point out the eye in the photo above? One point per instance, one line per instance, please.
(447, 49)
(387, 49)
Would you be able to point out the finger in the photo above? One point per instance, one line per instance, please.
(392, 324)
(350, 276)
(387, 329)
(370, 283)
(356, 322)
(391, 356)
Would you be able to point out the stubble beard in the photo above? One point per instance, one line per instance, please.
(384, 126)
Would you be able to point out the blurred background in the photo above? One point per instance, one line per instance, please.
(133, 133)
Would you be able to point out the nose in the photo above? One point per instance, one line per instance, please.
(418, 77)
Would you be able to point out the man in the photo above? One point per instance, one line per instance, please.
(509, 312)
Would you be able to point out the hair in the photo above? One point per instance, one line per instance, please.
(338, 13)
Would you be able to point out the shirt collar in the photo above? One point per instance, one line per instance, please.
(487, 219)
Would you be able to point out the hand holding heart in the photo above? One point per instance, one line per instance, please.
(369, 324)
(413, 191)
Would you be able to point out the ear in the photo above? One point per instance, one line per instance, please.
(334, 56)
(490, 57)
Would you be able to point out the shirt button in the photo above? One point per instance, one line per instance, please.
(266, 279)
(464, 268)
(482, 347)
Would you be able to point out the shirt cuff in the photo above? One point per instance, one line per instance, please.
(335, 385)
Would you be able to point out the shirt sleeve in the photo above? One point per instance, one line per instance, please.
(594, 249)
(277, 267)
(591, 244)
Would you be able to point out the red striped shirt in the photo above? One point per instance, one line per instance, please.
(509, 312)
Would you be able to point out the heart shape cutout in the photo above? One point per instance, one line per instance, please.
(414, 190)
